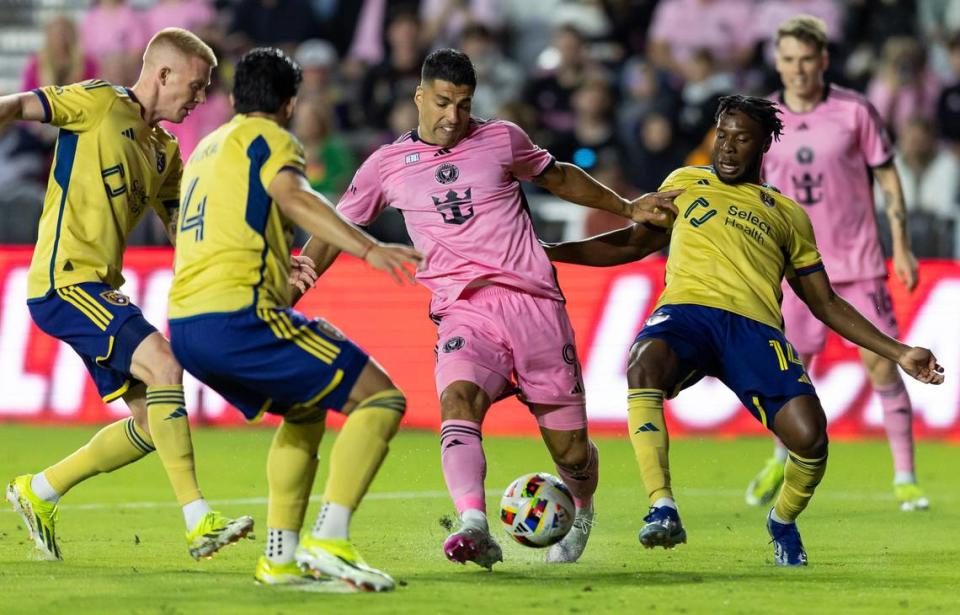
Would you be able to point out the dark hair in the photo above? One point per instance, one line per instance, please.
(265, 79)
(760, 110)
(449, 65)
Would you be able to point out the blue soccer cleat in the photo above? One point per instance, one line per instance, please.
(663, 528)
(787, 546)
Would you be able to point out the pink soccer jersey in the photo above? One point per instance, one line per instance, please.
(463, 208)
(821, 162)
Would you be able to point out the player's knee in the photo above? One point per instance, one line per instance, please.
(575, 457)
(160, 367)
(464, 403)
(809, 441)
(652, 365)
(644, 374)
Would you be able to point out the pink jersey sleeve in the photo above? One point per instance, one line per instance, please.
(873, 139)
(527, 160)
(363, 200)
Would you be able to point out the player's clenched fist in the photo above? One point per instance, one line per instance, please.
(393, 258)
(922, 365)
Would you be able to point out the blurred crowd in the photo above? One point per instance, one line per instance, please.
(626, 89)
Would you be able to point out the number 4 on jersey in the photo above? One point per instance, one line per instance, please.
(192, 222)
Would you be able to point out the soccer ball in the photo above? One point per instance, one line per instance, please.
(537, 510)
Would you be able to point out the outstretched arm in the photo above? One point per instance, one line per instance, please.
(571, 183)
(22, 106)
(815, 290)
(314, 214)
(624, 245)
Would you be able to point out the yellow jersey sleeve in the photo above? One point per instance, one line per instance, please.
(78, 107)
(801, 248)
(286, 152)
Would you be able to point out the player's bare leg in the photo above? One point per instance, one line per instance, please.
(802, 426)
(898, 423)
(766, 484)
(577, 463)
(463, 405)
(652, 372)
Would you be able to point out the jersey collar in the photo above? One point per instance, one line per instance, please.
(134, 98)
(823, 96)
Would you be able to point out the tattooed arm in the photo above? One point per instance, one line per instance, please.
(904, 263)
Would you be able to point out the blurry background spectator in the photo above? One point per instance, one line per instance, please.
(626, 88)
(902, 87)
(193, 15)
(948, 107)
(61, 60)
(398, 75)
(680, 28)
(280, 23)
(116, 35)
(594, 130)
(22, 184)
(930, 175)
(562, 67)
(444, 20)
(499, 79)
(330, 163)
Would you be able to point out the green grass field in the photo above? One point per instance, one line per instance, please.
(122, 537)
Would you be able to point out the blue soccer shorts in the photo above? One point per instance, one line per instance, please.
(753, 359)
(101, 325)
(269, 359)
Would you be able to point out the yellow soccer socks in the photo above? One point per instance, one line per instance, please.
(170, 429)
(651, 444)
(800, 479)
(291, 469)
(356, 456)
(112, 447)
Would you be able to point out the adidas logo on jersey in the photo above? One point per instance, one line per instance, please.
(646, 427)
(803, 126)
(128, 133)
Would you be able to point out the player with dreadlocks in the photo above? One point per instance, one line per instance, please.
(719, 315)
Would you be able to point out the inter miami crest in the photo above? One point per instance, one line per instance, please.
(447, 173)
(453, 344)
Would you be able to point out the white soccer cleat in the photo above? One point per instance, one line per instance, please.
(569, 550)
(338, 558)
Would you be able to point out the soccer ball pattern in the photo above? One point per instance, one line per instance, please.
(537, 510)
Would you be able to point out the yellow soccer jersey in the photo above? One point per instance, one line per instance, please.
(233, 244)
(731, 245)
(108, 169)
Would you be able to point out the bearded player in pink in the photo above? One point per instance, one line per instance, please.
(833, 139)
(500, 314)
